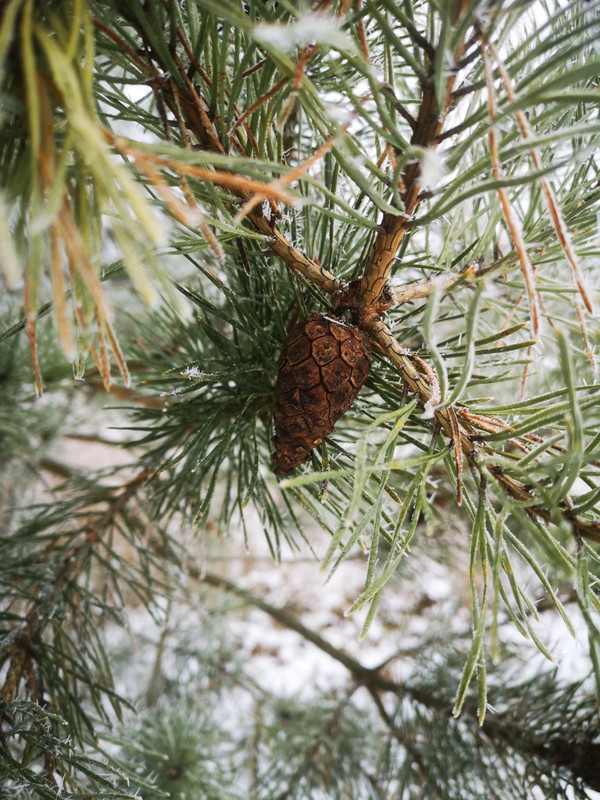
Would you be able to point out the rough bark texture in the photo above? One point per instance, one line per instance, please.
(323, 364)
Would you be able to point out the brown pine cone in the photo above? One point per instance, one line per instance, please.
(322, 366)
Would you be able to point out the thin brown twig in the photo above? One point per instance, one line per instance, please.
(292, 175)
(117, 352)
(59, 293)
(80, 317)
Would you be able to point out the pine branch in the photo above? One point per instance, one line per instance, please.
(368, 290)
(198, 122)
(393, 228)
(360, 673)
(419, 383)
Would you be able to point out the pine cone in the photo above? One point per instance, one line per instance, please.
(322, 366)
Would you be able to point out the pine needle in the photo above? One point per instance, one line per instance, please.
(552, 205)
(512, 221)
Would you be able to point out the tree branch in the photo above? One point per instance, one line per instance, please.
(203, 129)
(419, 384)
(393, 228)
(580, 758)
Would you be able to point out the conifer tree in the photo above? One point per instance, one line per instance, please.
(213, 217)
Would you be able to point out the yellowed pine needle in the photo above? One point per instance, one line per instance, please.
(510, 316)
(104, 361)
(197, 215)
(492, 426)
(32, 336)
(179, 210)
(79, 259)
(230, 181)
(118, 353)
(305, 57)
(236, 182)
(59, 295)
(212, 240)
(507, 322)
(489, 424)
(584, 333)
(210, 132)
(510, 217)
(79, 315)
(188, 214)
(558, 221)
(526, 371)
(458, 453)
(206, 230)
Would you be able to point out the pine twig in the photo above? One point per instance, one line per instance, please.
(393, 227)
(297, 261)
(419, 385)
(398, 295)
(360, 673)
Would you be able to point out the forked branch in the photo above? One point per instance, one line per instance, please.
(369, 295)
